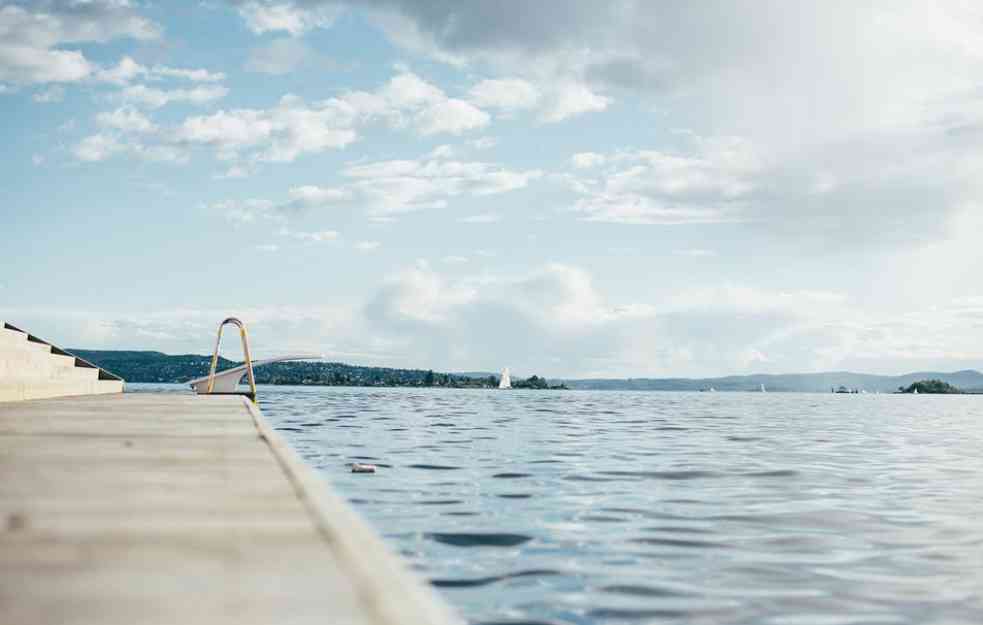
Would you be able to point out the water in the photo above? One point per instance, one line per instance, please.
(583, 507)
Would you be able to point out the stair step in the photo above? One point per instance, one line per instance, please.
(18, 340)
(14, 359)
(19, 372)
(20, 391)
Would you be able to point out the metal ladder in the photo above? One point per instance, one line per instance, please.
(245, 354)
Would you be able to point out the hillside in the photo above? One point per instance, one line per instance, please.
(149, 366)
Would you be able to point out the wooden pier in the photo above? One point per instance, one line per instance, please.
(144, 509)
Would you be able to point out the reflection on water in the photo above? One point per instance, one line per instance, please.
(582, 507)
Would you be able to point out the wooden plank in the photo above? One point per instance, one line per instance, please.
(146, 508)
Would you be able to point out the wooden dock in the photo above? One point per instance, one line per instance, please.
(141, 509)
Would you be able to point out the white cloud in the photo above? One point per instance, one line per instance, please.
(126, 120)
(570, 98)
(32, 40)
(156, 98)
(455, 260)
(194, 75)
(102, 146)
(262, 17)
(37, 160)
(97, 147)
(268, 247)
(507, 94)
(280, 134)
(709, 184)
(127, 70)
(388, 187)
(293, 127)
(408, 100)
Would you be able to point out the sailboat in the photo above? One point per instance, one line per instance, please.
(506, 381)
(763, 389)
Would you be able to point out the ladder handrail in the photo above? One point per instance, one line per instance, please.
(245, 353)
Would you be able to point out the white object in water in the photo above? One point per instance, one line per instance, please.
(506, 381)
(763, 389)
(363, 468)
(915, 391)
(227, 381)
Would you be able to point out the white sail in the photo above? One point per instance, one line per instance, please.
(506, 381)
(763, 389)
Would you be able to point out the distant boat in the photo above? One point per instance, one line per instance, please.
(914, 391)
(763, 389)
(506, 381)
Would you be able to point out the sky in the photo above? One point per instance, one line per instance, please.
(568, 188)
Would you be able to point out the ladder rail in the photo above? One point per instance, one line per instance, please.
(245, 353)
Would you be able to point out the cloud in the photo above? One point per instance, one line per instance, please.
(367, 246)
(32, 39)
(102, 146)
(262, 17)
(505, 94)
(97, 147)
(127, 70)
(293, 127)
(127, 120)
(279, 134)
(708, 184)
(408, 100)
(156, 98)
(280, 56)
(831, 98)
(389, 187)
(385, 188)
(555, 321)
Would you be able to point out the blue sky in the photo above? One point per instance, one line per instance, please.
(564, 188)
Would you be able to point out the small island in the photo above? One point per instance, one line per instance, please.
(933, 387)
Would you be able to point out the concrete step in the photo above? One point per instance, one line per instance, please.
(28, 359)
(11, 371)
(13, 339)
(20, 391)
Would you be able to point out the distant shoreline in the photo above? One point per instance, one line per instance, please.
(157, 367)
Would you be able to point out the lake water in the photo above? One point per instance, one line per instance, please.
(606, 507)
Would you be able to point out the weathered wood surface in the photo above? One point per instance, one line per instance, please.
(141, 509)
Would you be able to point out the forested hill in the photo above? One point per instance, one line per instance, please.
(147, 366)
